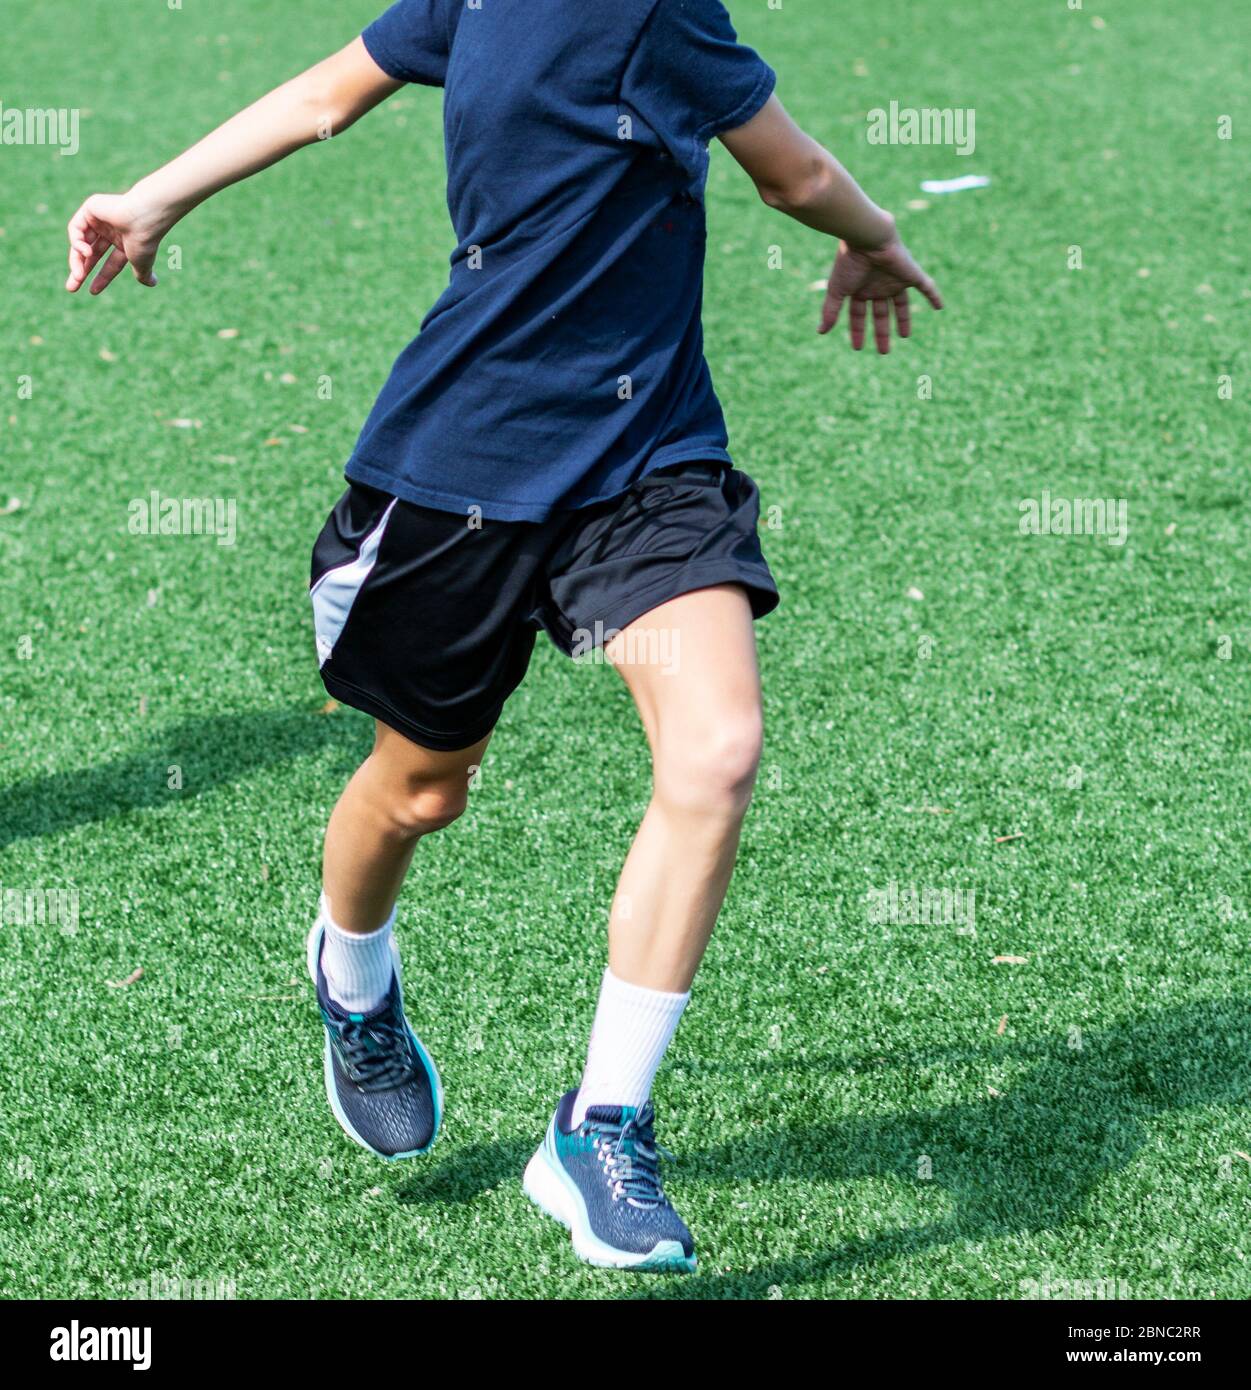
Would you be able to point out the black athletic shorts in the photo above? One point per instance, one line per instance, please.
(426, 619)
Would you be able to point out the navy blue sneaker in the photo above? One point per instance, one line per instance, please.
(380, 1080)
(601, 1180)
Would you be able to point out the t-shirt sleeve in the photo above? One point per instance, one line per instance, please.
(412, 40)
(689, 76)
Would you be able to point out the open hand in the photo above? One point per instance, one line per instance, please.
(118, 230)
(881, 277)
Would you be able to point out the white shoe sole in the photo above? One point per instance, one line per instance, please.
(554, 1193)
(312, 952)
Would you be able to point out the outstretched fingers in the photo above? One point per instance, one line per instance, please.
(930, 290)
(856, 319)
(142, 266)
(81, 231)
(881, 325)
(110, 270)
(86, 247)
(81, 266)
(832, 309)
(884, 284)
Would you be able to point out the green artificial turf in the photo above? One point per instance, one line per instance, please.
(861, 1109)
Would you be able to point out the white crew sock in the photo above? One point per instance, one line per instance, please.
(358, 966)
(633, 1027)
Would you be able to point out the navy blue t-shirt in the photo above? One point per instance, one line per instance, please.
(565, 359)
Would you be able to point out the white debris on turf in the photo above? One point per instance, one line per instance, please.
(955, 185)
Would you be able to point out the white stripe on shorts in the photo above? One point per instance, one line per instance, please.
(335, 592)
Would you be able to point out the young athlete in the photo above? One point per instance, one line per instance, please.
(548, 452)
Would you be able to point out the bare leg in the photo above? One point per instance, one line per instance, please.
(691, 667)
(701, 711)
(398, 794)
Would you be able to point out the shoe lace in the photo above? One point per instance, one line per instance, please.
(631, 1159)
(377, 1053)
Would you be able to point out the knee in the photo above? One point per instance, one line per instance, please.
(712, 771)
(422, 807)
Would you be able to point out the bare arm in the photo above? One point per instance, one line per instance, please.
(799, 177)
(803, 179)
(317, 104)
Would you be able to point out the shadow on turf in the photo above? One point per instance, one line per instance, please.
(468, 1173)
(211, 752)
(1025, 1162)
